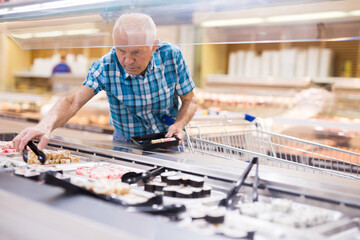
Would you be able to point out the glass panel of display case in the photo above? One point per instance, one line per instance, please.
(79, 24)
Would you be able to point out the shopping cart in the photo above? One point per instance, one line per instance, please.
(248, 139)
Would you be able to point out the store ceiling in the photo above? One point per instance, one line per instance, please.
(78, 23)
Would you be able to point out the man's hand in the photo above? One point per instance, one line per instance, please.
(30, 133)
(186, 112)
(175, 131)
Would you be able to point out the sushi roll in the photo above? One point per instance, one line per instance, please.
(161, 140)
(20, 171)
(183, 193)
(32, 175)
(149, 187)
(196, 182)
(196, 214)
(235, 233)
(185, 180)
(74, 159)
(216, 215)
(165, 175)
(281, 205)
(206, 191)
(169, 191)
(158, 186)
(197, 192)
(121, 188)
(173, 180)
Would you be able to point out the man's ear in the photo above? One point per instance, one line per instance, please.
(156, 42)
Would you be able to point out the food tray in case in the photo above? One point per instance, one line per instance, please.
(52, 179)
(144, 141)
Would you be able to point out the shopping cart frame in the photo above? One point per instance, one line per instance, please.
(252, 139)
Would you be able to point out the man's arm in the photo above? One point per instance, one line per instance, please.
(59, 114)
(186, 112)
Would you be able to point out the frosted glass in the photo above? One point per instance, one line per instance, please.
(89, 23)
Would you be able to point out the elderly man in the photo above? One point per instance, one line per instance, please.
(143, 79)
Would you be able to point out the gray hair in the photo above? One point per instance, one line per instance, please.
(136, 23)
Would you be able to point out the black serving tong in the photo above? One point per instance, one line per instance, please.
(133, 177)
(41, 155)
(229, 200)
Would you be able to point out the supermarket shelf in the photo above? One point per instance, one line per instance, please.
(224, 79)
(318, 123)
(35, 118)
(31, 75)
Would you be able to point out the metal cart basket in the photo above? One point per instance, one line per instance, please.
(248, 139)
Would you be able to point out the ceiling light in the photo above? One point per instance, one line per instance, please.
(307, 16)
(231, 22)
(56, 33)
(355, 13)
(51, 5)
(22, 36)
(49, 34)
(69, 3)
(82, 31)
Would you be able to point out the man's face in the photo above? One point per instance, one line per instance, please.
(133, 59)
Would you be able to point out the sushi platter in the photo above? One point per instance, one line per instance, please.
(194, 199)
(156, 140)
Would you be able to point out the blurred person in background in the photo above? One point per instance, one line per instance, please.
(143, 79)
(62, 67)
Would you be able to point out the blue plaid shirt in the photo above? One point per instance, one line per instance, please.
(137, 102)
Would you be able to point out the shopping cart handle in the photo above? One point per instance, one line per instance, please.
(249, 117)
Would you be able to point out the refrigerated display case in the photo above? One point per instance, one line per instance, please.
(328, 201)
(93, 117)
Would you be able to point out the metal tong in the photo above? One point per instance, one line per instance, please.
(133, 177)
(229, 200)
(41, 155)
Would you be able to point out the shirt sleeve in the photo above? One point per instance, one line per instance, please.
(185, 84)
(94, 78)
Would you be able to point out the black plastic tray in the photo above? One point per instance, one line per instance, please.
(51, 179)
(144, 141)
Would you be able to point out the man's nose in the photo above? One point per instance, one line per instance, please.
(129, 60)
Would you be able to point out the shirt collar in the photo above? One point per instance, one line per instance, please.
(152, 64)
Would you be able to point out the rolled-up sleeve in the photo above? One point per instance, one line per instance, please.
(94, 79)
